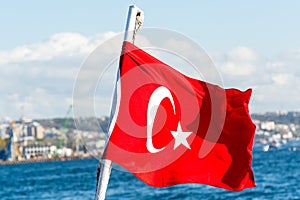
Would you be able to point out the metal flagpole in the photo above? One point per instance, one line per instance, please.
(135, 19)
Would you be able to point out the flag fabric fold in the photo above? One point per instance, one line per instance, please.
(172, 129)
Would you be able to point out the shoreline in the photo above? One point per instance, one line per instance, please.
(37, 160)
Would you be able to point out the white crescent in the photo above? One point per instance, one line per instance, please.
(156, 98)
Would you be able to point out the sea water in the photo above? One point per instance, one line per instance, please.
(277, 175)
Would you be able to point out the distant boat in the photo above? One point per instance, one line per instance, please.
(266, 147)
(273, 145)
(294, 145)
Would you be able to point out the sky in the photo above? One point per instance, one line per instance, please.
(43, 44)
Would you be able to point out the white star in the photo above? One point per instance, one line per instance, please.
(180, 137)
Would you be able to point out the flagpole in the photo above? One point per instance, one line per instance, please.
(135, 19)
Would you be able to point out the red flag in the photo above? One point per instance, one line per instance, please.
(172, 129)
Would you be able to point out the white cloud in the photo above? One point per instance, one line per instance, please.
(242, 54)
(240, 61)
(58, 45)
(281, 79)
(275, 65)
(37, 79)
(239, 67)
(231, 68)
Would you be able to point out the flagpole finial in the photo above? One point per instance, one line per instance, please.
(135, 20)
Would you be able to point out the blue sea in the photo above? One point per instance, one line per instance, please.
(277, 174)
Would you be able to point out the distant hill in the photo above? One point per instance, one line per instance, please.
(101, 124)
(279, 118)
(85, 124)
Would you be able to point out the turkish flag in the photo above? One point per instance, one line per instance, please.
(171, 129)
